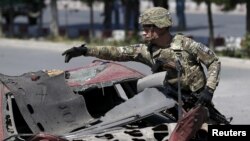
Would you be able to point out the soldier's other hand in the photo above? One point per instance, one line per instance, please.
(74, 52)
(206, 96)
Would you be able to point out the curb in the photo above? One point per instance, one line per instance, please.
(59, 47)
(36, 44)
(235, 62)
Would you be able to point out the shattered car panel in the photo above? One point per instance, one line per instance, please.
(72, 101)
(81, 104)
(37, 104)
(130, 111)
(99, 75)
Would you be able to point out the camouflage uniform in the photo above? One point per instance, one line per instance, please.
(192, 55)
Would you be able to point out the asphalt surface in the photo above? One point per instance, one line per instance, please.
(21, 56)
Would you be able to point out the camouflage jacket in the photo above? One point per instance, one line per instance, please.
(192, 56)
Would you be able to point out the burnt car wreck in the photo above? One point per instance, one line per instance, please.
(99, 101)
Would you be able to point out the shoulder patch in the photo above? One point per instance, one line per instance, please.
(204, 48)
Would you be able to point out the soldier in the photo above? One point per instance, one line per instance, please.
(161, 52)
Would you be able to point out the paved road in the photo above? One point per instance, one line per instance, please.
(231, 97)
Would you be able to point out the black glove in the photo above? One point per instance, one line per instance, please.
(74, 52)
(206, 96)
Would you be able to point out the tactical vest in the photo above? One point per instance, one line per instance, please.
(192, 77)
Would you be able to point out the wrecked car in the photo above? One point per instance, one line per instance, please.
(101, 100)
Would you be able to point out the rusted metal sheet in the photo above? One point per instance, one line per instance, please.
(189, 124)
(45, 137)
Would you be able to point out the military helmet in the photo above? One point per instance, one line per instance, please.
(158, 16)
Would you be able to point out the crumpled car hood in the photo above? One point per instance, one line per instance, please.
(100, 74)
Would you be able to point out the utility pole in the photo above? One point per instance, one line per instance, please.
(66, 19)
(11, 18)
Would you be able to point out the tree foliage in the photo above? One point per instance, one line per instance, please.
(246, 45)
(227, 4)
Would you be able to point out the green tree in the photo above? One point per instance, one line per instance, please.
(180, 13)
(13, 8)
(210, 24)
(107, 13)
(210, 21)
(54, 24)
(231, 4)
(246, 45)
(8, 12)
(1, 21)
(131, 17)
(161, 3)
(90, 4)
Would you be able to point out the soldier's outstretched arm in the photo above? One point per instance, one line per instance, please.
(137, 52)
(120, 53)
(123, 53)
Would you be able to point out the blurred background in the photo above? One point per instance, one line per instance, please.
(34, 33)
(220, 24)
